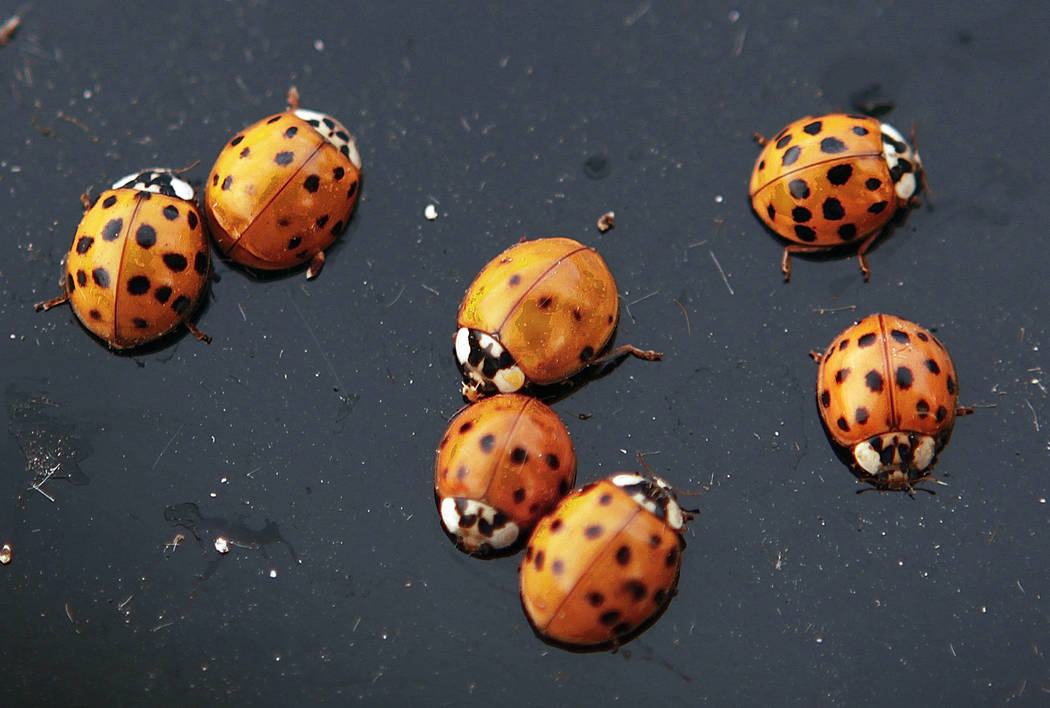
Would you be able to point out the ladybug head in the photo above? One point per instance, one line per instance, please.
(895, 461)
(156, 180)
(904, 163)
(485, 365)
(653, 494)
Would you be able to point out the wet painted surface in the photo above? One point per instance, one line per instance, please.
(314, 413)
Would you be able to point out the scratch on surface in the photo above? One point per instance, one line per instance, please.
(1035, 418)
(397, 297)
(722, 272)
(688, 329)
(167, 445)
(635, 302)
(638, 14)
(327, 361)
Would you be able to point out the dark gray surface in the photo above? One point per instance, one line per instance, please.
(318, 405)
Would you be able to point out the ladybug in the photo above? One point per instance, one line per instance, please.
(139, 264)
(834, 180)
(282, 190)
(504, 462)
(887, 394)
(604, 564)
(537, 314)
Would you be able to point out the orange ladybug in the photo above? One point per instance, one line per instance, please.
(138, 266)
(503, 463)
(282, 190)
(602, 566)
(887, 394)
(537, 314)
(834, 180)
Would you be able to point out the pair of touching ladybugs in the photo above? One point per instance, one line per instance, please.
(886, 388)
(602, 562)
(278, 195)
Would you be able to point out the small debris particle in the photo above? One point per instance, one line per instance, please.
(606, 221)
(430, 212)
(5, 553)
(222, 544)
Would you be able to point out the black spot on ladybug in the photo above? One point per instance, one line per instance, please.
(181, 304)
(801, 214)
(236, 141)
(284, 222)
(900, 336)
(813, 128)
(671, 558)
(109, 201)
(81, 278)
(95, 315)
(538, 561)
(595, 599)
(245, 153)
(528, 554)
(518, 455)
(942, 413)
(932, 366)
(284, 158)
(462, 473)
(337, 228)
(290, 133)
(866, 340)
(321, 221)
(922, 336)
(576, 314)
(623, 555)
(877, 207)
(873, 380)
(872, 183)
(636, 589)
(191, 219)
(227, 183)
(843, 344)
(832, 209)
(847, 231)
(70, 285)
(556, 525)
(488, 442)
(840, 174)
(139, 285)
(798, 189)
(861, 415)
(294, 242)
(111, 230)
(83, 244)
(563, 487)
(312, 183)
(951, 385)
(922, 408)
(545, 302)
(841, 375)
(170, 213)
(519, 495)
(843, 425)
(860, 130)
(176, 262)
(514, 280)
(146, 235)
(140, 323)
(558, 567)
(660, 596)
(804, 233)
(338, 173)
(771, 212)
(904, 377)
(466, 426)
(274, 119)
(587, 353)
(609, 618)
(352, 190)
(553, 462)
(654, 541)
(825, 398)
(791, 156)
(605, 499)
(214, 179)
(832, 146)
(783, 142)
(200, 262)
(761, 165)
(101, 277)
(593, 531)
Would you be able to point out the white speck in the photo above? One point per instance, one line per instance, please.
(820, 640)
(277, 657)
(213, 494)
(6, 553)
(222, 545)
(1042, 500)
(984, 610)
(319, 45)
(430, 212)
(273, 572)
(734, 16)
(719, 198)
(87, 93)
(224, 480)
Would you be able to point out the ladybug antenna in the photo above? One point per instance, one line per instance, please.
(187, 168)
(293, 98)
(923, 181)
(677, 491)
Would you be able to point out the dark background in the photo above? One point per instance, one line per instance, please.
(319, 404)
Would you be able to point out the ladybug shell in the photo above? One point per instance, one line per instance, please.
(603, 565)
(138, 265)
(503, 463)
(552, 303)
(280, 192)
(827, 180)
(886, 375)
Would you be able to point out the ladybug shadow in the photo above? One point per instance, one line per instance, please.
(615, 644)
(849, 249)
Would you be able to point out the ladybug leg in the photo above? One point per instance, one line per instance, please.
(86, 201)
(862, 259)
(197, 333)
(316, 264)
(816, 356)
(293, 98)
(785, 263)
(760, 139)
(48, 304)
(963, 410)
(626, 350)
